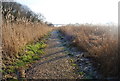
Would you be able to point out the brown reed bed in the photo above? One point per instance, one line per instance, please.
(16, 36)
(101, 42)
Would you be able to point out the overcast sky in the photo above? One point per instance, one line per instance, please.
(75, 11)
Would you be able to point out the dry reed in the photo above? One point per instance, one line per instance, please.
(101, 42)
(17, 35)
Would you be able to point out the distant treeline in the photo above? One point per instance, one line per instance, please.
(14, 11)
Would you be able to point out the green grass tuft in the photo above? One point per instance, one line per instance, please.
(31, 54)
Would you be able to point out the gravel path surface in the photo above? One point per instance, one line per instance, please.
(54, 64)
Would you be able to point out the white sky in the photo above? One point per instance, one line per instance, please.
(75, 11)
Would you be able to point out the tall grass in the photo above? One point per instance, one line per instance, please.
(101, 42)
(16, 36)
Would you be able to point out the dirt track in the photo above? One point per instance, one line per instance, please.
(54, 64)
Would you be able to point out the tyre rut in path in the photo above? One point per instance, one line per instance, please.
(54, 64)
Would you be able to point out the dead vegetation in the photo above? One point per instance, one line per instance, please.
(19, 28)
(101, 42)
(16, 36)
